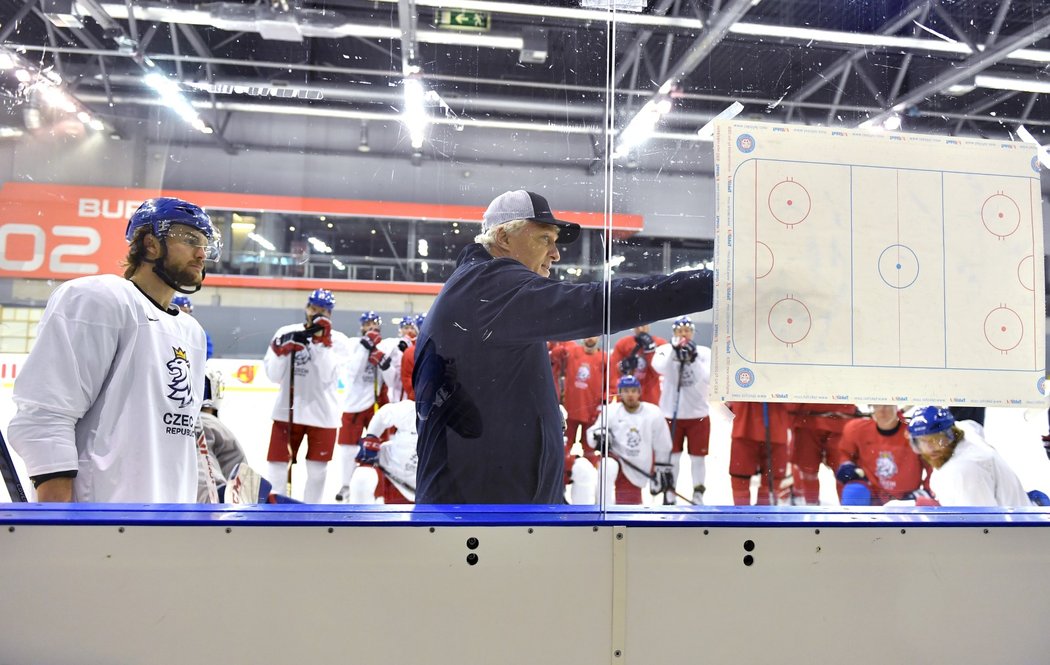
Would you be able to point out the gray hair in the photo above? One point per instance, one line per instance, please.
(488, 238)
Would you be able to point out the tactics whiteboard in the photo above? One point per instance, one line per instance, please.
(866, 267)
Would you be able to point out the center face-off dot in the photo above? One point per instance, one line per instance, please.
(898, 266)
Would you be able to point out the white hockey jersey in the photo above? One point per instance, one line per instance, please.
(317, 372)
(397, 456)
(113, 389)
(695, 379)
(392, 374)
(362, 379)
(638, 439)
(976, 475)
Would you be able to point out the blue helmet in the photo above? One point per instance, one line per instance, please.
(160, 213)
(407, 320)
(683, 321)
(420, 318)
(931, 420)
(182, 301)
(856, 493)
(322, 298)
(628, 381)
(371, 316)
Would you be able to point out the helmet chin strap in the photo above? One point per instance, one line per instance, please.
(165, 276)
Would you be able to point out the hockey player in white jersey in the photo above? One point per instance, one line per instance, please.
(364, 384)
(636, 444)
(108, 399)
(966, 470)
(389, 444)
(393, 349)
(685, 369)
(309, 398)
(224, 452)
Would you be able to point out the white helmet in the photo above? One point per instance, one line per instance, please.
(214, 388)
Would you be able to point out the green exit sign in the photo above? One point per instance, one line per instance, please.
(461, 19)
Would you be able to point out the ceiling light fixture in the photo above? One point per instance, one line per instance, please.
(263, 242)
(642, 125)
(414, 114)
(170, 92)
(363, 145)
(1010, 83)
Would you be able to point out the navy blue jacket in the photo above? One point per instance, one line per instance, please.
(488, 421)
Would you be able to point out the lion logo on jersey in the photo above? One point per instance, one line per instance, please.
(634, 439)
(583, 376)
(885, 467)
(179, 386)
(302, 362)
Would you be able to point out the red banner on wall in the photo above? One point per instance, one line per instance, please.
(66, 231)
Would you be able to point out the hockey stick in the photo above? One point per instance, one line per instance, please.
(399, 484)
(650, 476)
(302, 337)
(674, 417)
(291, 419)
(769, 454)
(7, 469)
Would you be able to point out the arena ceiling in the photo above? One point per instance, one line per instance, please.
(965, 67)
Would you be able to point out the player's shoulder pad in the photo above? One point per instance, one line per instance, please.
(94, 298)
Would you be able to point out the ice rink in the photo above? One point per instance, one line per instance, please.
(247, 409)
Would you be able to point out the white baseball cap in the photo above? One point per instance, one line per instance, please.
(520, 204)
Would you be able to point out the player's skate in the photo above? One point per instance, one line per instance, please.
(698, 495)
(343, 494)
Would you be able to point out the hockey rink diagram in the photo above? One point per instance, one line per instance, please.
(855, 269)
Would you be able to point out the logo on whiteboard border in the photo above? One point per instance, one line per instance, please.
(1041, 385)
(745, 143)
(1035, 163)
(745, 378)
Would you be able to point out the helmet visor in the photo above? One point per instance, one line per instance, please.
(212, 246)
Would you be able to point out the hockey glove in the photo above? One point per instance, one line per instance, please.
(402, 344)
(686, 352)
(598, 439)
(384, 361)
(369, 452)
(1038, 498)
(848, 472)
(323, 334)
(645, 341)
(663, 480)
(370, 339)
(376, 357)
(287, 343)
(629, 364)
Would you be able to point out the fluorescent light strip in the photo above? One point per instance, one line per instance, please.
(847, 38)
(414, 114)
(509, 42)
(1010, 83)
(266, 244)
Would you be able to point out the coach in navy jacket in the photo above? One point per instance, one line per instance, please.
(489, 426)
